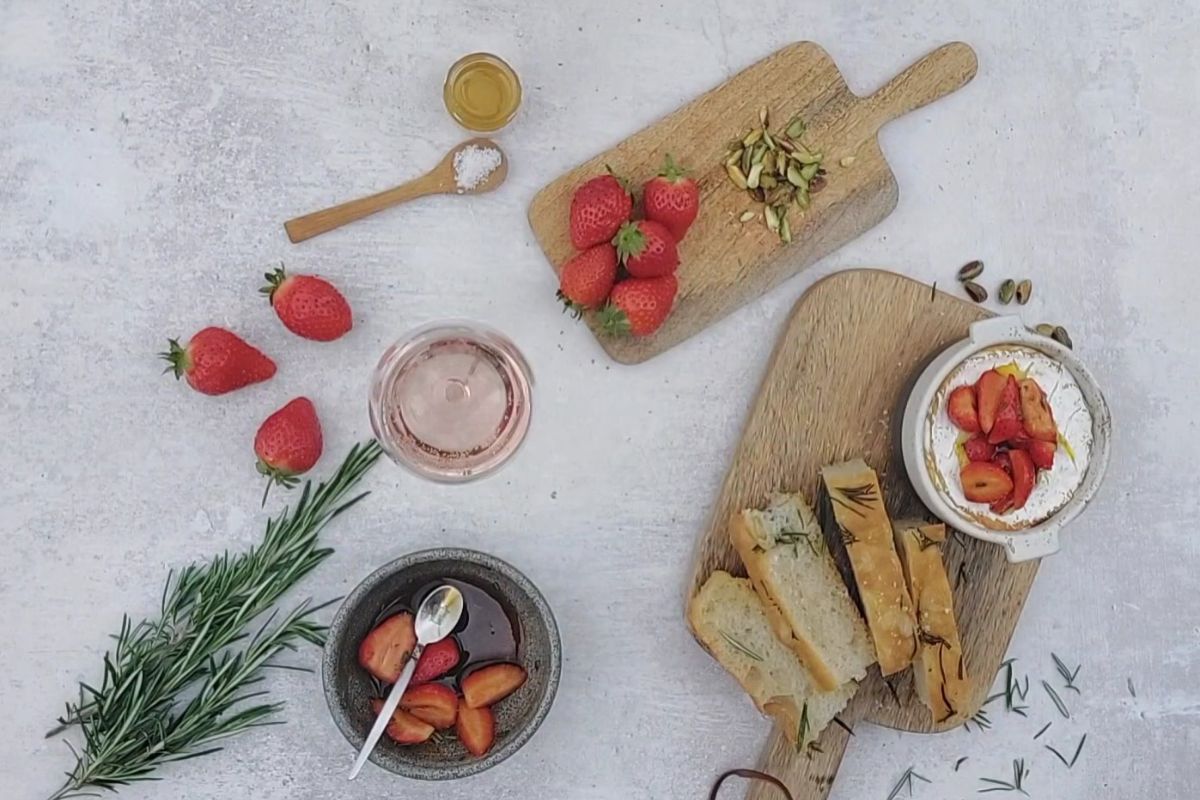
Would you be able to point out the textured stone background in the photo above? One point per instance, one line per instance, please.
(150, 150)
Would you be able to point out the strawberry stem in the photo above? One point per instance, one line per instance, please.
(671, 171)
(275, 279)
(629, 241)
(570, 305)
(177, 358)
(613, 321)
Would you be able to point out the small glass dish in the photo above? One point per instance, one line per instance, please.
(482, 92)
(451, 401)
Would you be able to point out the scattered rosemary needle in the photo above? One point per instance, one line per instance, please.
(842, 724)
(1045, 728)
(1129, 683)
(1019, 775)
(174, 686)
(1066, 673)
(959, 763)
(906, 780)
(1074, 758)
(1062, 707)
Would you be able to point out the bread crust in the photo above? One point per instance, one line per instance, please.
(939, 669)
(866, 531)
(745, 533)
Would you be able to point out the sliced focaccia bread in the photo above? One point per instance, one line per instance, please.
(728, 619)
(864, 526)
(939, 669)
(809, 607)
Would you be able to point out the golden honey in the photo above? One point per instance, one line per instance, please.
(482, 92)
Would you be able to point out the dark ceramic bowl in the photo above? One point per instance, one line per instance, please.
(348, 687)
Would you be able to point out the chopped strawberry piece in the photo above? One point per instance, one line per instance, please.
(386, 648)
(1003, 505)
(978, 448)
(491, 684)
(432, 703)
(1024, 475)
(1035, 412)
(1042, 453)
(476, 729)
(961, 408)
(436, 660)
(988, 389)
(404, 728)
(1007, 424)
(984, 483)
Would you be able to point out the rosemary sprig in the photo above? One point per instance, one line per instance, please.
(173, 686)
(1066, 673)
(741, 648)
(906, 780)
(1074, 758)
(1062, 707)
(813, 540)
(803, 729)
(1019, 775)
(980, 718)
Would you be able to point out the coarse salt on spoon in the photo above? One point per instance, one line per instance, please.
(473, 167)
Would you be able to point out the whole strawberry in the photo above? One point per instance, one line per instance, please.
(639, 305)
(647, 249)
(598, 208)
(288, 443)
(587, 278)
(308, 306)
(672, 198)
(216, 361)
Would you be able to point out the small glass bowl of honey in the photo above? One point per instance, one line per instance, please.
(482, 92)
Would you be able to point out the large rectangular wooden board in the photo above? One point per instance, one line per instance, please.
(726, 263)
(835, 390)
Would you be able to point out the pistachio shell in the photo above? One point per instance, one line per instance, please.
(975, 291)
(736, 175)
(755, 174)
(1024, 291)
(1006, 291)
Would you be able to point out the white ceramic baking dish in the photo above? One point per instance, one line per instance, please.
(1041, 539)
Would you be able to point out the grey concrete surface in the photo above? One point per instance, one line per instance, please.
(150, 150)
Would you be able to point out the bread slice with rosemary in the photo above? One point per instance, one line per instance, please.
(867, 533)
(728, 619)
(939, 670)
(802, 592)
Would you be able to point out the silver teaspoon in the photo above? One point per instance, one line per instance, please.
(436, 618)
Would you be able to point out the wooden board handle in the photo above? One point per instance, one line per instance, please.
(939, 73)
(327, 219)
(810, 775)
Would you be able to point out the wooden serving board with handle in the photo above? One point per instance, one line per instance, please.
(726, 263)
(835, 390)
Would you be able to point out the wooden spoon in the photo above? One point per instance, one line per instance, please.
(439, 180)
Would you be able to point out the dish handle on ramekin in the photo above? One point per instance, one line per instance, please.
(1027, 546)
(1008, 328)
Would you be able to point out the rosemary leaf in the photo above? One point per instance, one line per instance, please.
(741, 648)
(174, 685)
(842, 724)
(959, 763)
(1067, 674)
(1062, 707)
(1045, 728)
